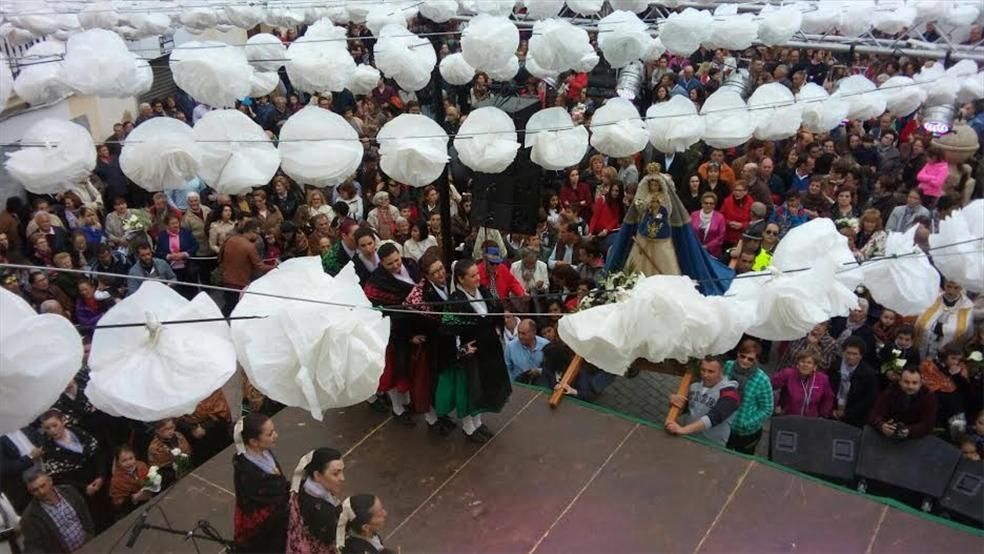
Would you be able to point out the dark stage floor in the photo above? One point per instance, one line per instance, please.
(565, 481)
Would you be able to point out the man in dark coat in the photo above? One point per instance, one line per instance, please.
(854, 382)
(57, 519)
(390, 284)
(905, 410)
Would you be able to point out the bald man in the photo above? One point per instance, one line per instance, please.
(524, 354)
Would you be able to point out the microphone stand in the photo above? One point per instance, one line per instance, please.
(192, 534)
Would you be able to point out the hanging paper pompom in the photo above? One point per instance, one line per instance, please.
(496, 8)
(381, 15)
(558, 46)
(894, 17)
(683, 32)
(98, 63)
(413, 149)
(439, 11)
(555, 141)
(99, 15)
(855, 17)
(585, 7)
(821, 112)
(42, 82)
(488, 42)
(534, 69)
(212, 72)
(263, 83)
(731, 30)
(727, 122)
(486, 141)
(56, 155)
(363, 80)
(150, 24)
(971, 88)
(456, 71)
(309, 355)
(957, 247)
(902, 97)
(617, 130)
(157, 371)
(506, 72)
(405, 57)
(243, 16)
(29, 383)
(236, 154)
(6, 82)
(31, 15)
(907, 285)
(776, 111)
(316, 65)
(543, 9)
(862, 97)
(819, 17)
(674, 125)
(778, 24)
(623, 38)
(160, 154)
(634, 6)
(940, 85)
(319, 148)
(265, 52)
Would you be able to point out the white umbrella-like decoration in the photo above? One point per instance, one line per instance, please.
(306, 354)
(674, 125)
(821, 112)
(30, 383)
(731, 30)
(727, 122)
(486, 141)
(160, 154)
(212, 72)
(778, 24)
(42, 81)
(634, 6)
(265, 52)
(500, 8)
(318, 147)
(387, 13)
(863, 99)
(405, 57)
(558, 45)
(439, 11)
(236, 154)
(555, 141)
(776, 111)
(958, 248)
(56, 154)
(506, 72)
(263, 83)
(456, 71)
(585, 7)
(364, 78)
(543, 9)
(99, 15)
(413, 149)
(156, 371)
(316, 64)
(243, 16)
(617, 129)
(488, 42)
(902, 97)
(623, 38)
(907, 285)
(683, 32)
(98, 63)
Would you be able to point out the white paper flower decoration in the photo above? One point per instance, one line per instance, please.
(160, 154)
(413, 149)
(775, 108)
(555, 141)
(317, 65)
(821, 112)
(318, 147)
(455, 70)
(674, 125)
(265, 52)
(623, 38)
(683, 32)
(211, 72)
(236, 154)
(42, 81)
(364, 79)
(488, 42)
(617, 129)
(486, 141)
(405, 57)
(56, 155)
(907, 285)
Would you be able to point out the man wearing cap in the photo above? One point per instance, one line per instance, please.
(495, 275)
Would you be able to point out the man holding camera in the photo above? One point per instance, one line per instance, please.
(905, 410)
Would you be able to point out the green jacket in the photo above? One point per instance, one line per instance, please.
(756, 401)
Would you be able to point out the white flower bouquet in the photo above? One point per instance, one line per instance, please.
(182, 462)
(152, 483)
(613, 288)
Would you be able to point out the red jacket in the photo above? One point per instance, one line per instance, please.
(741, 212)
(574, 196)
(506, 284)
(606, 216)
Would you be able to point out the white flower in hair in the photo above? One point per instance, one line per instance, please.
(976, 356)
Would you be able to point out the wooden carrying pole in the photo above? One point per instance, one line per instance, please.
(572, 370)
(682, 390)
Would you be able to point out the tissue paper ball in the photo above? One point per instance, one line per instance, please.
(160, 154)
(821, 112)
(863, 99)
(316, 65)
(236, 154)
(413, 149)
(98, 63)
(774, 107)
(56, 155)
(622, 38)
(778, 24)
(439, 11)
(405, 57)
(363, 80)
(212, 72)
(318, 147)
(486, 141)
(265, 52)
(543, 9)
(683, 32)
(42, 81)
(674, 125)
(727, 122)
(902, 97)
(456, 71)
(555, 141)
(488, 42)
(617, 130)
(558, 46)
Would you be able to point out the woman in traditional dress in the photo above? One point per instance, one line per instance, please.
(314, 503)
(261, 488)
(652, 252)
(948, 321)
(474, 377)
(362, 520)
(166, 439)
(126, 488)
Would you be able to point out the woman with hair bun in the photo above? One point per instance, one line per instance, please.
(261, 488)
(314, 502)
(362, 520)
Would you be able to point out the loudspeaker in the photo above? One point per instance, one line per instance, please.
(508, 201)
(965, 493)
(921, 465)
(813, 445)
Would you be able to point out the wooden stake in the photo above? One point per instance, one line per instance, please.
(682, 390)
(569, 375)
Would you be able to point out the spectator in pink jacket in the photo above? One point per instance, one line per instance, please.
(802, 390)
(932, 176)
(709, 224)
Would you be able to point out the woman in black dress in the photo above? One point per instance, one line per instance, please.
(315, 504)
(473, 379)
(362, 520)
(261, 488)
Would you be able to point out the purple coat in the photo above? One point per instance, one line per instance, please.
(792, 392)
(713, 241)
(84, 315)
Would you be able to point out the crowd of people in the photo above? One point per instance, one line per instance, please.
(462, 349)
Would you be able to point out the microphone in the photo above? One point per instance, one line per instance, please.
(138, 527)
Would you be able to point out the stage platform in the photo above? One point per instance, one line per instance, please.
(566, 481)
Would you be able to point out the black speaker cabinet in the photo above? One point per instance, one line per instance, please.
(508, 201)
(965, 493)
(922, 465)
(812, 445)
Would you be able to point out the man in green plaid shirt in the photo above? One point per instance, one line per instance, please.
(755, 391)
